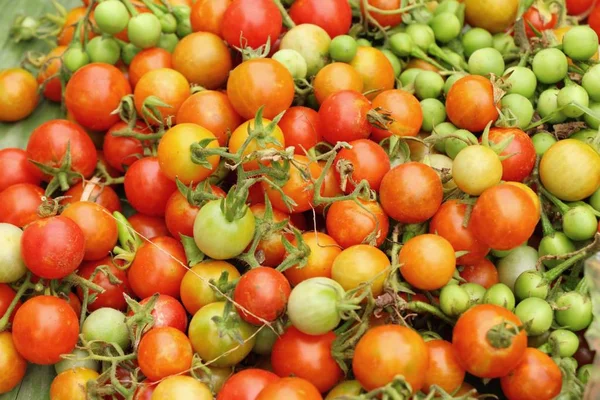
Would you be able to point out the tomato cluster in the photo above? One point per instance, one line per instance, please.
(266, 199)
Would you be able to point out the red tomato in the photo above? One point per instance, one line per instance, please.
(6, 297)
(307, 357)
(44, 328)
(246, 384)
(148, 227)
(147, 188)
(113, 292)
(251, 23)
(536, 377)
(448, 223)
(168, 312)
(476, 353)
(158, 267)
(148, 60)
(483, 272)
(290, 389)
(335, 16)
(93, 93)
(538, 20)
(366, 160)
(521, 150)
(301, 128)
(100, 194)
(271, 245)
(207, 15)
(180, 215)
(263, 292)
(387, 5)
(16, 168)
(470, 103)
(20, 203)
(405, 111)
(120, 151)
(344, 117)
(52, 247)
(577, 7)
(350, 223)
(164, 352)
(444, 369)
(411, 193)
(428, 262)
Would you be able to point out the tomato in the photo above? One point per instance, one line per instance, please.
(352, 222)
(385, 20)
(301, 127)
(521, 150)
(73, 16)
(52, 66)
(576, 7)
(18, 94)
(403, 109)
(104, 196)
(470, 103)
(538, 20)
(532, 195)
(475, 169)
(335, 16)
(427, 262)
(334, 78)
(476, 352)
(271, 246)
(444, 369)
(71, 384)
(49, 142)
(148, 227)
(344, 117)
(290, 389)
(181, 387)
(211, 345)
(307, 357)
(411, 193)
(164, 352)
(594, 19)
(261, 293)
(365, 160)
(492, 15)
(180, 215)
(12, 365)
(92, 104)
(536, 377)
(195, 289)
(107, 325)
(119, 151)
(147, 188)
(268, 139)
(246, 384)
(251, 23)
(211, 110)
(144, 392)
(570, 170)
(503, 217)
(44, 328)
(148, 60)
(390, 350)
(170, 86)
(20, 203)
(297, 187)
(482, 272)
(361, 264)
(168, 312)
(260, 82)
(323, 251)
(6, 297)
(375, 69)
(16, 168)
(207, 15)
(113, 292)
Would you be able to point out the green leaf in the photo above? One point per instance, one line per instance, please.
(35, 385)
(193, 254)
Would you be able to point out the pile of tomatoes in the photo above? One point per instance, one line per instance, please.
(270, 199)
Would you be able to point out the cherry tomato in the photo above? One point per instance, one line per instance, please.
(73, 16)
(375, 69)
(444, 369)
(594, 19)
(12, 365)
(72, 383)
(180, 215)
(470, 103)
(120, 151)
(203, 59)
(246, 384)
(344, 117)
(334, 78)
(538, 20)
(207, 15)
(519, 165)
(168, 312)
(20, 203)
(365, 160)
(113, 292)
(290, 389)
(100, 194)
(428, 262)
(261, 293)
(384, 20)
(352, 222)
(180, 387)
(52, 66)
(482, 272)
(147, 188)
(361, 264)
(301, 127)
(18, 94)
(148, 60)
(272, 139)
(492, 15)
(323, 251)
(576, 7)
(335, 16)
(16, 168)
(251, 23)
(170, 86)
(148, 227)
(271, 245)
(536, 377)
(403, 109)
(164, 352)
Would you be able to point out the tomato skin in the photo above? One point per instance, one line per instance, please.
(323, 251)
(52, 65)
(92, 104)
(164, 352)
(534, 18)
(168, 312)
(369, 162)
(448, 223)
(576, 7)
(520, 164)
(147, 188)
(12, 365)
(503, 217)
(260, 82)
(335, 16)
(594, 19)
(180, 387)
(271, 246)
(290, 389)
(180, 215)
(48, 145)
(470, 103)
(483, 272)
(113, 293)
(411, 193)
(102, 195)
(16, 169)
(492, 15)
(20, 203)
(390, 350)
(382, 19)
(246, 384)
(350, 224)
(344, 117)
(428, 262)
(207, 15)
(73, 16)
(405, 110)
(301, 127)
(121, 152)
(257, 21)
(475, 353)
(359, 264)
(241, 134)
(334, 78)
(263, 292)
(168, 85)
(6, 297)
(44, 328)
(211, 110)
(148, 227)
(444, 369)
(376, 70)
(71, 384)
(18, 94)
(536, 377)
(148, 60)
(195, 290)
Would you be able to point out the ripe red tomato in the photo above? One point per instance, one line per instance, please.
(251, 23)
(48, 145)
(390, 350)
(53, 247)
(448, 223)
(180, 215)
(148, 227)
(148, 60)
(521, 150)
(444, 370)
(470, 103)
(308, 357)
(147, 188)
(536, 377)
(246, 384)
(92, 104)
(482, 272)
(263, 292)
(20, 203)
(577, 7)
(290, 389)
(411, 193)
(366, 160)
(6, 297)
(344, 117)
(350, 223)
(476, 353)
(405, 111)
(16, 168)
(100, 194)
(271, 245)
(335, 16)
(158, 267)
(384, 20)
(164, 352)
(168, 312)
(44, 328)
(301, 128)
(120, 151)
(538, 20)
(12, 366)
(207, 15)
(428, 262)
(113, 292)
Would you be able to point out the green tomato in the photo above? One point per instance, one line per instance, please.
(592, 121)
(362, 42)
(312, 42)
(428, 85)
(434, 113)
(219, 238)
(504, 43)
(182, 14)
(453, 7)
(574, 311)
(421, 35)
(550, 66)
(128, 52)
(446, 27)
(75, 58)
(580, 223)
(521, 81)
(486, 61)
(144, 30)
(80, 360)
(107, 325)
(168, 42)
(518, 107)
(293, 62)
(451, 80)
(453, 145)
(531, 284)
(475, 39)
(573, 94)
(103, 50)
(500, 295)
(396, 65)
(401, 44)
(265, 339)
(585, 372)
(542, 141)
(595, 200)
(454, 300)
(214, 342)
(111, 16)
(475, 292)
(343, 48)
(168, 23)
(536, 314)
(12, 266)
(548, 106)
(565, 342)
(408, 77)
(580, 43)
(555, 244)
(443, 129)
(591, 82)
(519, 260)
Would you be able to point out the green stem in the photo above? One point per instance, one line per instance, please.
(557, 271)
(562, 207)
(547, 227)
(420, 307)
(287, 20)
(24, 286)
(130, 7)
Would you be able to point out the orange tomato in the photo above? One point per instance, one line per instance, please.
(262, 142)
(323, 251)
(427, 262)
(168, 85)
(375, 69)
(18, 94)
(53, 88)
(335, 77)
(148, 60)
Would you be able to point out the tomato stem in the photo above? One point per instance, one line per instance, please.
(547, 227)
(130, 7)
(13, 304)
(287, 20)
(557, 271)
(562, 207)
(422, 307)
(501, 335)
